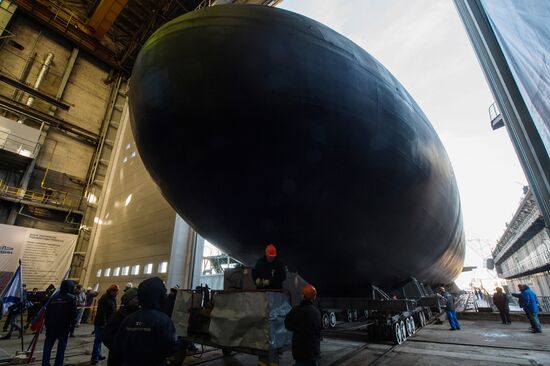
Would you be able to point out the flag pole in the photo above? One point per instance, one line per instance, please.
(22, 308)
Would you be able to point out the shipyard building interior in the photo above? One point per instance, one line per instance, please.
(265, 182)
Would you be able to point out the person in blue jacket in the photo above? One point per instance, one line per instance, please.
(531, 307)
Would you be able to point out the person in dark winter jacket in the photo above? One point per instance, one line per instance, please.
(147, 337)
(34, 297)
(129, 306)
(59, 318)
(269, 272)
(304, 321)
(450, 308)
(531, 307)
(14, 313)
(500, 299)
(106, 308)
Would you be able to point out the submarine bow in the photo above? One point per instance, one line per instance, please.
(260, 125)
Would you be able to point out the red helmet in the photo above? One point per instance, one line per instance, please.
(113, 288)
(309, 292)
(271, 251)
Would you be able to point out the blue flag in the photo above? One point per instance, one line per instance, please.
(12, 293)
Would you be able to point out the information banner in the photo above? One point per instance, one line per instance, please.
(45, 255)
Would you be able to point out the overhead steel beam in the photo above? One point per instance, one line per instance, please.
(34, 92)
(105, 15)
(54, 122)
(61, 20)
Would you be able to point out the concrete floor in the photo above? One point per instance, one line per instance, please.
(79, 348)
(480, 342)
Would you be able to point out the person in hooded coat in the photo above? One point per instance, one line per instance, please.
(147, 336)
(60, 317)
(130, 305)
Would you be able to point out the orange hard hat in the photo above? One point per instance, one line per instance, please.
(309, 292)
(271, 250)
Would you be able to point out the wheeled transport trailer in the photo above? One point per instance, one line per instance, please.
(389, 318)
(249, 322)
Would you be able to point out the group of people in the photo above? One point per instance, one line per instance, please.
(527, 300)
(143, 321)
(34, 300)
(478, 293)
(138, 333)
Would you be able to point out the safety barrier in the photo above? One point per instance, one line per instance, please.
(48, 196)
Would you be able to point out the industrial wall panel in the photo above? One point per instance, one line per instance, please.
(65, 154)
(88, 94)
(30, 38)
(135, 225)
(532, 255)
(86, 91)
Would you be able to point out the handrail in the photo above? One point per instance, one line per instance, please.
(527, 264)
(61, 199)
(511, 236)
(19, 137)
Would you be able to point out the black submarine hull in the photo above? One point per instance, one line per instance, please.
(263, 126)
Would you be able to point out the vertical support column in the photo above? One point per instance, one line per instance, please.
(95, 235)
(185, 265)
(197, 261)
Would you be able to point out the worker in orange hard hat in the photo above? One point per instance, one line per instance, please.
(304, 321)
(269, 272)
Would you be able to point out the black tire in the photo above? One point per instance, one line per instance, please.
(332, 319)
(325, 320)
(227, 352)
(397, 336)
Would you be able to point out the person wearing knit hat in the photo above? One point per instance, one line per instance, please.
(130, 304)
(129, 295)
(129, 286)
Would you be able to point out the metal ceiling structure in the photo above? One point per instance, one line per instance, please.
(113, 30)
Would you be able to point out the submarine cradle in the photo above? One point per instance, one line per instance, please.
(260, 125)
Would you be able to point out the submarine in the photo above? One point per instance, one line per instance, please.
(262, 126)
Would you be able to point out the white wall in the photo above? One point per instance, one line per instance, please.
(135, 225)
